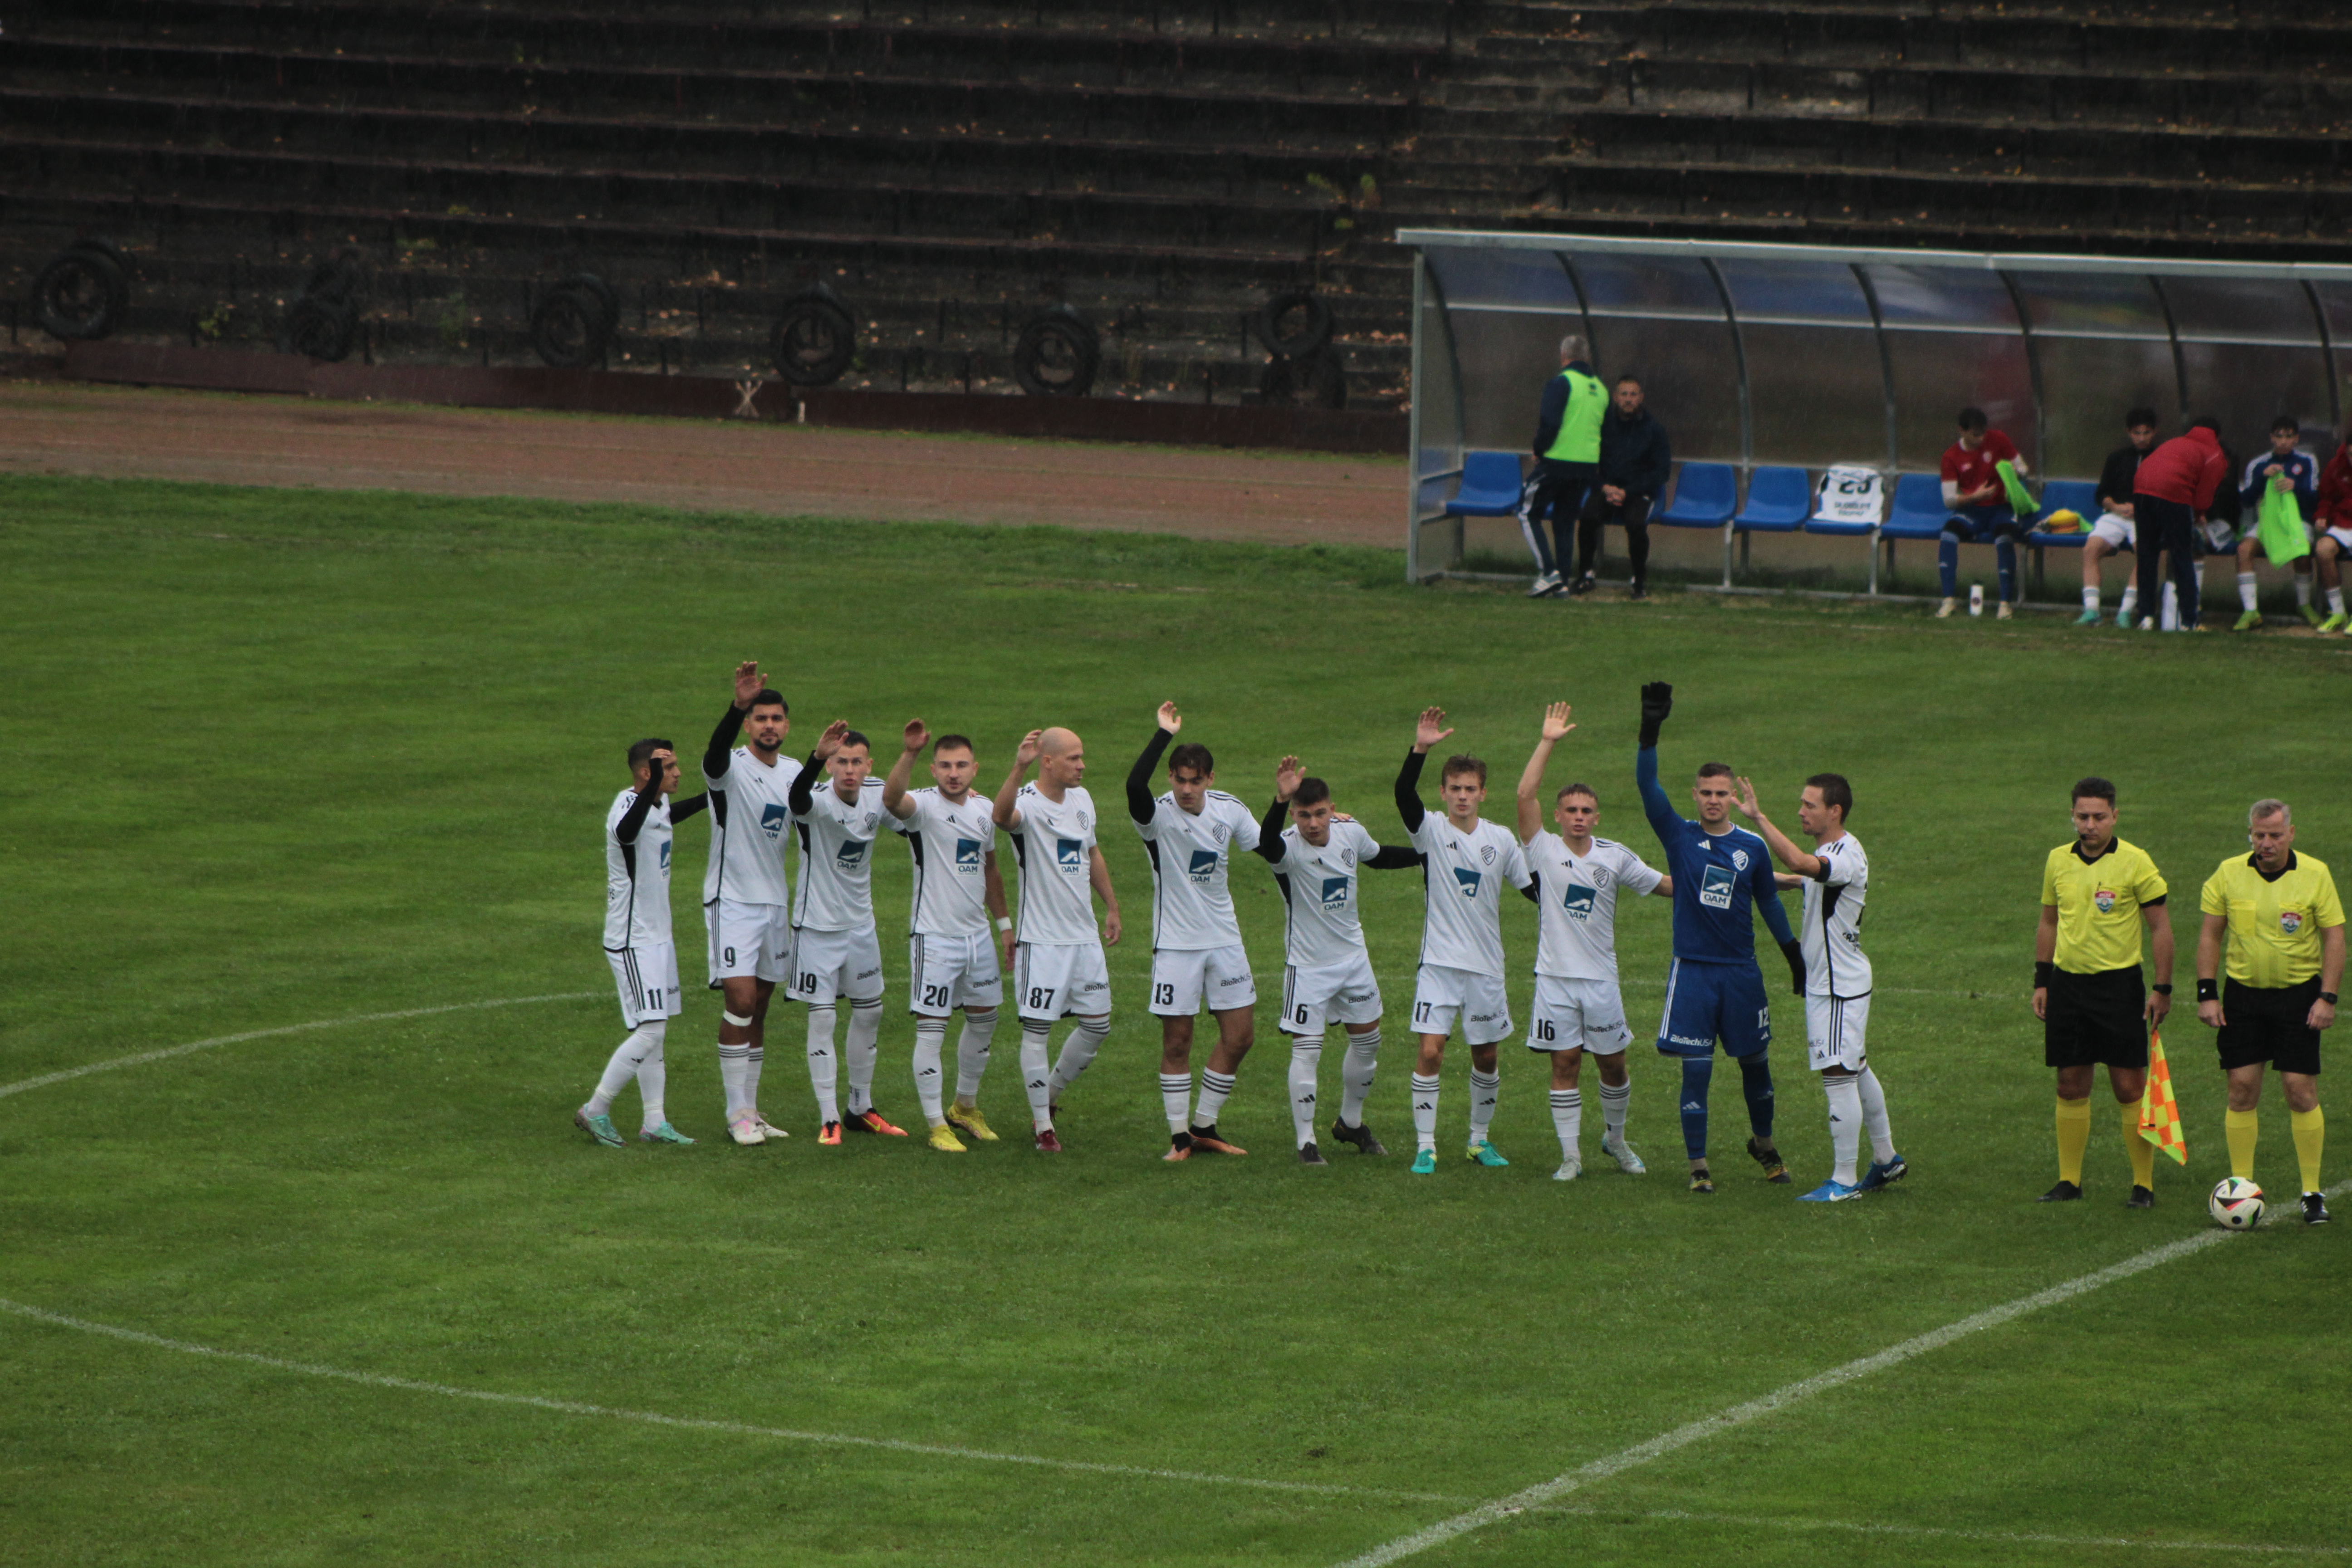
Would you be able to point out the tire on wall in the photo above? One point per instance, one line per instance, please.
(569, 328)
(80, 296)
(814, 339)
(1057, 355)
(1294, 324)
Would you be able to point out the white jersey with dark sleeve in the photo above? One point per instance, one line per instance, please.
(749, 809)
(1576, 925)
(1192, 902)
(1835, 966)
(1462, 876)
(950, 844)
(836, 891)
(1323, 925)
(1054, 843)
(636, 876)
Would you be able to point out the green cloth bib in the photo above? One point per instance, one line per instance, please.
(2281, 528)
(1579, 440)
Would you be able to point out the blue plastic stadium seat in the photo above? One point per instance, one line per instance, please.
(1918, 511)
(1490, 486)
(2078, 496)
(1779, 500)
(1705, 497)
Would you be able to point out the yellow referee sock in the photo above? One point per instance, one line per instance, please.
(2143, 1152)
(2240, 1126)
(2310, 1132)
(2074, 1137)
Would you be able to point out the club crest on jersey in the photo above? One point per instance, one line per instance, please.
(1335, 891)
(2289, 920)
(772, 818)
(2105, 899)
(850, 854)
(1486, 853)
(1468, 880)
(1715, 886)
(1578, 901)
(1203, 866)
(1069, 854)
(1739, 860)
(1347, 857)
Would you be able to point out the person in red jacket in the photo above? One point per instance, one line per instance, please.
(2335, 525)
(2171, 493)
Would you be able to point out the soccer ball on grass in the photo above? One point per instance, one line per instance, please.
(2236, 1205)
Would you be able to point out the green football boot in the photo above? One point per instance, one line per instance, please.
(600, 1127)
(666, 1133)
(2248, 622)
(1483, 1152)
(1425, 1162)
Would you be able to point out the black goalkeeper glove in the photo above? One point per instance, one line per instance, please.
(1794, 952)
(1657, 701)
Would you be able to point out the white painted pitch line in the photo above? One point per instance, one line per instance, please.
(692, 1423)
(138, 1058)
(1780, 1399)
(2000, 1537)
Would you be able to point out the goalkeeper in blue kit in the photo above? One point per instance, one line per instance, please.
(1715, 991)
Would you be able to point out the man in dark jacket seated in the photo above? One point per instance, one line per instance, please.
(1635, 463)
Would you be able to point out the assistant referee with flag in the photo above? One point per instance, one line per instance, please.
(2097, 895)
(2284, 928)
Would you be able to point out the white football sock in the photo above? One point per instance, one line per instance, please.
(1355, 1072)
(1485, 1088)
(861, 1051)
(1568, 1119)
(622, 1067)
(1176, 1098)
(824, 1073)
(1873, 1117)
(1425, 1112)
(2303, 589)
(2090, 597)
(2335, 599)
(1214, 1087)
(1845, 1125)
(1078, 1053)
(2246, 590)
(1614, 1098)
(653, 1074)
(2130, 601)
(730, 1075)
(1035, 1074)
(753, 1055)
(971, 1051)
(930, 1039)
(1306, 1060)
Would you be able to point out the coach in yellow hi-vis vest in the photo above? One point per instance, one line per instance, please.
(2097, 895)
(2285, 934)
(1567, 461)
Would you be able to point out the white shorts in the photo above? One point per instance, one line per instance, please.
(647, 977)
(1330, 993)
(945, 973)
(1586, 1016)
(2116, 533)
(1833, 1031)
(2343, 537)
(1056, 980)
(1183, 981)
(1439, 993)
(749, 938)
(829, 967)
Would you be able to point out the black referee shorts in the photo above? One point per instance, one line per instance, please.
(2095, 1020)
(2267, 1024)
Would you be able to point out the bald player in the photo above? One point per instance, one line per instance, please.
(1054, 950)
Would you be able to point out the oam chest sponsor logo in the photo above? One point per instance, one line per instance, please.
(1070, 854)
(851, 855)
(772, 818)
(968, 854)
(665, 854)
(1715, 886)
(1335, 891)
(1468, 880)
(1579, 901)
(1203, 865)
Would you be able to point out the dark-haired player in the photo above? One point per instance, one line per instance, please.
(1197, 958)
(2291, 472)
(836, 956)
(638, 941)
(2098, 894)
(951, 951)
(1465, 860)
(1328, 975)
(746, 897)
(2116, 531)
(1715, 991)
(1837, 980)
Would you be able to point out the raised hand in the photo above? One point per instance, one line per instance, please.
(1170, 720)
(1287, 775)
(1555, 721)
(1743, 795)
(918, 735)
(830, 742)
(749, 682)
(1657, 701)
(1026, 752)
(1429, 730)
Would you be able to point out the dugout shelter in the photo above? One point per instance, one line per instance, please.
(1766, 360)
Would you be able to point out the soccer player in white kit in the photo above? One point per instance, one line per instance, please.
(1197, 958)
(1837, 981)
(1577, 1008)
(1464, 862)
(745, 899)
(1328, 975)
(637, 941)
(1054, 950)
(951, 951)
(836, 956)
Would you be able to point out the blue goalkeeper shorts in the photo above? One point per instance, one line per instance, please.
(1708, 1002)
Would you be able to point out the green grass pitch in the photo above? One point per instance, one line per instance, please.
(280, 757)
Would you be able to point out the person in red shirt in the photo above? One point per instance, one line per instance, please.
(2171, 493)
(2335, 525)
(1979, 507)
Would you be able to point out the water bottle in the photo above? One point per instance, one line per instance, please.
(1976, 599)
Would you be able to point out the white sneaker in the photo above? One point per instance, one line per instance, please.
(745, 1130)
(1546, 584)
(2147, 623)
(1627, 1161)
(2006, 613)
(1944, 609)
(1569, 1171)
(772, 1134)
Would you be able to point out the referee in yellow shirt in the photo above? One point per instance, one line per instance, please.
(2285, 931)
(2098, 893)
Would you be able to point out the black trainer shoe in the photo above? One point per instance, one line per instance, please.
(1360, 1136)
(2315, 1209)
(1310, 1156)
(1774, 1171)
(1701, 1181)
(2063, 1193)
(1214, 1142)
(2141, 1199)
(1638, 591)
(1584, 585)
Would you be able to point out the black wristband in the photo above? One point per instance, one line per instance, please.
(2161, 990)
(2328, 997)
(2042, 970)
(2209, 991)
